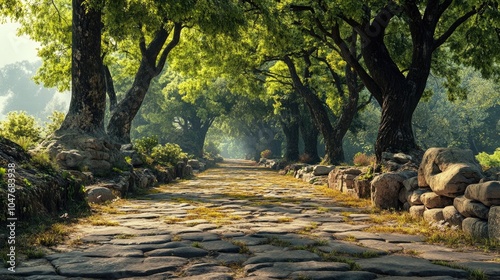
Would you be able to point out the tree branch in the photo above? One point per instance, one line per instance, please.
(438, 42)
(174, 42)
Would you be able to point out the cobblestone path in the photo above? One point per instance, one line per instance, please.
(245, 222)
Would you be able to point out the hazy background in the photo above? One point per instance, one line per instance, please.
(18, 92)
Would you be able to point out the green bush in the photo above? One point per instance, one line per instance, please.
(168, 154)
(489, 161)
(266, 154)
(146, 144)
(211, 149)
(56, 120)
(21, 128)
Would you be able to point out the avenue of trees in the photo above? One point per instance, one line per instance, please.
(395, 76)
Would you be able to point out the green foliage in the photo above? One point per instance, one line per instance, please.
(42, 160)
(168, 154)
(21, 128)
(56, 120)
(488, 161)
(146, 144)
(211, 149)
(3, 182)
(266, 153)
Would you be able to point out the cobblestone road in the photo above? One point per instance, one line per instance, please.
(245, 222)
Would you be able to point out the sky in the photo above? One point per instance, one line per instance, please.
(18, 48)
(14, 48)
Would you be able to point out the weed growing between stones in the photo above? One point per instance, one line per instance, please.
(243, 246)
(99, 220)
(474, 274)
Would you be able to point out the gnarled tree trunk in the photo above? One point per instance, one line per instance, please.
(88, 95)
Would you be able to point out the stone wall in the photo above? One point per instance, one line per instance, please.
(447, 187)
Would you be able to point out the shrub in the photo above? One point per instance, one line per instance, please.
(211, 149)
(168, 154)
(489, 161)
(56, 120)
(361, 159)
(146, 144)
(266, 154)
(21, 128)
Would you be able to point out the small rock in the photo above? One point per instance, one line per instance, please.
(475, 227)
(433, 200)
(434, 215)
(470, 208)
(417, 211)
(452, 216)
(487, 193)
(99, 194)
(494, 223)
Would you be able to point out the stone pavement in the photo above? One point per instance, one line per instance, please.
(246, 222)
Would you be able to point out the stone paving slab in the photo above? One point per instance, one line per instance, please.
(111, 268)
(492, 269)
(395, 265)
(288, 256)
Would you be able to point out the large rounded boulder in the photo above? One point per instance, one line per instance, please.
(448, 171)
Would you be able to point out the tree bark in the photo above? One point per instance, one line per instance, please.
(290, 119)
(151, 66)
(88, 96)
(334, 153)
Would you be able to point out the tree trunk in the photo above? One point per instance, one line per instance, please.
(290, 118)
(395, 132)
(88, 95)
(333, 154)
(152, 63)
(125, 111)
(291, 132)
(310, 135)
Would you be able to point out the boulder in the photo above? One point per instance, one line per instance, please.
(417, 211)
(362, 188)
(494, 223)
(470, 208)
(402, 158)
(322, 170)
(99, 194)
(433, 200)
(385, 190)
(403, 195)
(448, 171)
(411, 183)
(475, 227)
(194, 163)
(434, 215)
(342, 178)
(487, 193)
(144, 178)
(452, 216)
(414, 196)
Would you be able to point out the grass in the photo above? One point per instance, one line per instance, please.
(402, 222)
(474, 274)
(343, 199)
(243, 246)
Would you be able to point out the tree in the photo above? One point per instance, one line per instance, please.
(88, 98)
(180, 110)
(395, 68)
(140, 35)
